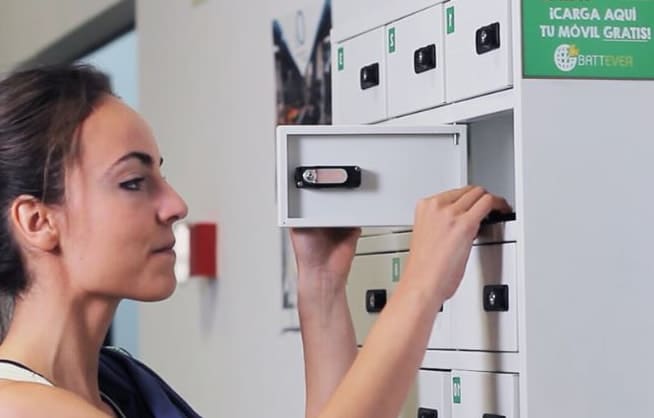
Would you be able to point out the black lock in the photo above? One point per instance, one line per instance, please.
(493, 416)
(496, 298)
(322, 177)
(487, 38)
(375, 300)
(424, 59)
(427, 413)
(369, 76)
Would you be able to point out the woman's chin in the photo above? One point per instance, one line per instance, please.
(164, 288)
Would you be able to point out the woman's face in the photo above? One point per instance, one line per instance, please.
(119, 210)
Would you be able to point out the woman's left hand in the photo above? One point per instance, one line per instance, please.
(325, 253)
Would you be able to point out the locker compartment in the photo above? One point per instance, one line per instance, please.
(484, 395)
(397, 166)
(484, 308)
(429, 397)
(371, 284)
(491, 162)
(478, 48)
(359, 79)
(415, 62)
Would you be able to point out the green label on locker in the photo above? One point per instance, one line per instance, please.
(391, 40)
(450, 19)
(396, 269)
(456, 389)
(605, 39)
(341, 59)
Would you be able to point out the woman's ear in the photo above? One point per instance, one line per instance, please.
(33, 223)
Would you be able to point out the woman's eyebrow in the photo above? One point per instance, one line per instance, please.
(143, 157)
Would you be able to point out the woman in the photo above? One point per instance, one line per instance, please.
(86, 220)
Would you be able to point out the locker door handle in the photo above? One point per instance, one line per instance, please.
(487, 38)
(375, 300)
(424, 59)
(493, 416)
(369, 76)
(496, 298)
(495, 217)
(321, 177)
(427, 413)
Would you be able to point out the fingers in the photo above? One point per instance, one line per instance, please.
(468, 199)
(451, 196)
(484, 205)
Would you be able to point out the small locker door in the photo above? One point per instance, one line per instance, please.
(364, 175)
(415, 60)
(429, 397)
(484, 308)
(478, 48)
(359, 79)
(484, 395)
(371, 284)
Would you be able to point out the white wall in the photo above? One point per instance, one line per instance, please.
(28, 26)
(207, 88)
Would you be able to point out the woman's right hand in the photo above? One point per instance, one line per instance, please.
(445, 227)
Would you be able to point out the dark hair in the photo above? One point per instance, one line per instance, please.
(40, 112)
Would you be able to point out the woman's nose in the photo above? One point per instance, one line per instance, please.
(174, 207)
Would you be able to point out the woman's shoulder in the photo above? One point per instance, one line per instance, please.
(124, 377)
(28, 400)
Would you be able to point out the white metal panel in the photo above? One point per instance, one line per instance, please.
(467, 72)
(475, 394)
(431, 391)
(585, 180)
(482, 361)
(382, 272)
(352, 17)
(351, 102)
(461, 112)
(409, 90)
(399, 167)
(473, 328)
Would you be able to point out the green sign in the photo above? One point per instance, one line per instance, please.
(396, 269)
(456, 389)
(450, 19)
(341, 59)
(391, 40)
(588, 39)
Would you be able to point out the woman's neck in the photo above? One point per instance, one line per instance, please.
(58, 333)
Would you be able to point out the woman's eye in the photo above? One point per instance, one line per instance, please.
(132, 185)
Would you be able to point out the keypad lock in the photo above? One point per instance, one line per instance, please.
(369, 76)
(375, 300)
(496, 298)
(424, 59)
(427, 413)
(487, 38)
